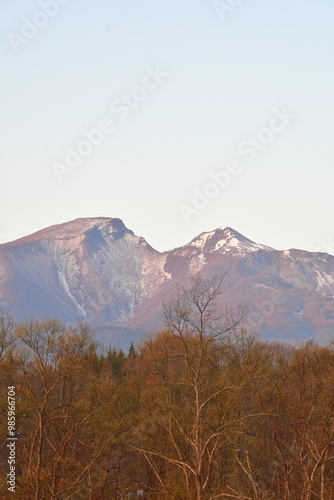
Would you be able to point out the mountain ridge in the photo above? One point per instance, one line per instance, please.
(98, 270)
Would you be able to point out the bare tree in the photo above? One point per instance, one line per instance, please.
(69, 408)
(7, 337)
(197, 403)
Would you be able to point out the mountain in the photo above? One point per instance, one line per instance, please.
(99, 271)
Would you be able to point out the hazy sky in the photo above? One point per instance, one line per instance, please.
(211, 114)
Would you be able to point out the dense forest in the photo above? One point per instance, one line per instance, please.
(202, 410)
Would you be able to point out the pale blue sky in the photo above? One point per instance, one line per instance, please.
(226, 76)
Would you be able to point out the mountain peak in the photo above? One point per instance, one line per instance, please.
(81, 226)
(226, 239)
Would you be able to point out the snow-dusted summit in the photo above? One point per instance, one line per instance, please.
(226, 239)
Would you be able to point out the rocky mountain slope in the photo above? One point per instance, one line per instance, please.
(99, 271)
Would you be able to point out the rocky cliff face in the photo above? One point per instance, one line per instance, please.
(99, 271)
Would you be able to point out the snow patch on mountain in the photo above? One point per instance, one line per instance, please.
(324, 281)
